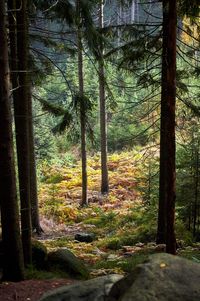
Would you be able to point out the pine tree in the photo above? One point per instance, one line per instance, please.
(166, 215)
(103, 119)
(84, 200)
(22, 126)
(13, 268)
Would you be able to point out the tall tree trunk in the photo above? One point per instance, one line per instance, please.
(14, 66)
(119, 22)
(161, 228)
(133, 11)
(84, 201)
(13, 268)
(22, 126)
(166, 217)
(103, 119)
(196, 190)
(33, 175)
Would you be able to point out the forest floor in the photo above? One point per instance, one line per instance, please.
(29, 290)
(123, 222)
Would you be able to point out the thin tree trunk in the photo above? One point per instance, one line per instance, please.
(133, 11)
(196, 191)
(33, 175)
(103, 119)
(84, 201)
(119, 22)
(22, 127)
(171, 15)
(166, 217)
(161, 228)
(13, 268)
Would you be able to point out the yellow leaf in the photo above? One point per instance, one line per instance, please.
(162, 265)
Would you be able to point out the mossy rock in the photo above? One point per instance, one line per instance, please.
(39, 254)
(67, 262)
(164, 277)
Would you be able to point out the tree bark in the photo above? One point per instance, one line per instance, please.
(132, 11)
(84, 201)
(103, 115)
(196, 189)
(35, 219)
(13, 268)
(14, 66)
(22, 127)
(166, 216)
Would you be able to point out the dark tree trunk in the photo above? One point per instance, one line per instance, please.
(13, 268)
(161, 229)
(33, 175)
(196, 190)
(84, 201)
(166, 215)
(22, 126)
(14, 66)
(103, 122)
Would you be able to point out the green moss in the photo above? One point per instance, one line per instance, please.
(57, 243)
(113, 243)
(126, 264)
(92, 221)
(39, 254)
(32, 273)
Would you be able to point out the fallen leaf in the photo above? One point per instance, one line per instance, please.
(162, 265)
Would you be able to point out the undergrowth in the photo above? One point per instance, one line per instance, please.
(125, 217)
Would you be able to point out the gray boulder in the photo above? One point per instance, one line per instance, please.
(66, 261)
(164, 278)
(91, 290)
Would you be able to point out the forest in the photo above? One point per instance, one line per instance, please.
(99, 138)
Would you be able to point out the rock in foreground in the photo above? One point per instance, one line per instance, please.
(90, 290)
(164, 277)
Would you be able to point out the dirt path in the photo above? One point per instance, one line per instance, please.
(29, 290)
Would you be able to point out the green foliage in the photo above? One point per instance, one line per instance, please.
(132, 80)
(189, 8)
(113, 243)
(54, 179)
(33, 273)
(126, 264)
(183, 234)
(143, 234)
(191, 253)
(188, 175)
(54, 109)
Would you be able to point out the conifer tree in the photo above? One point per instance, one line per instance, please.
(13, 268)
(84, 200)
(21, 104)
(166, 214)
(103, 119)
